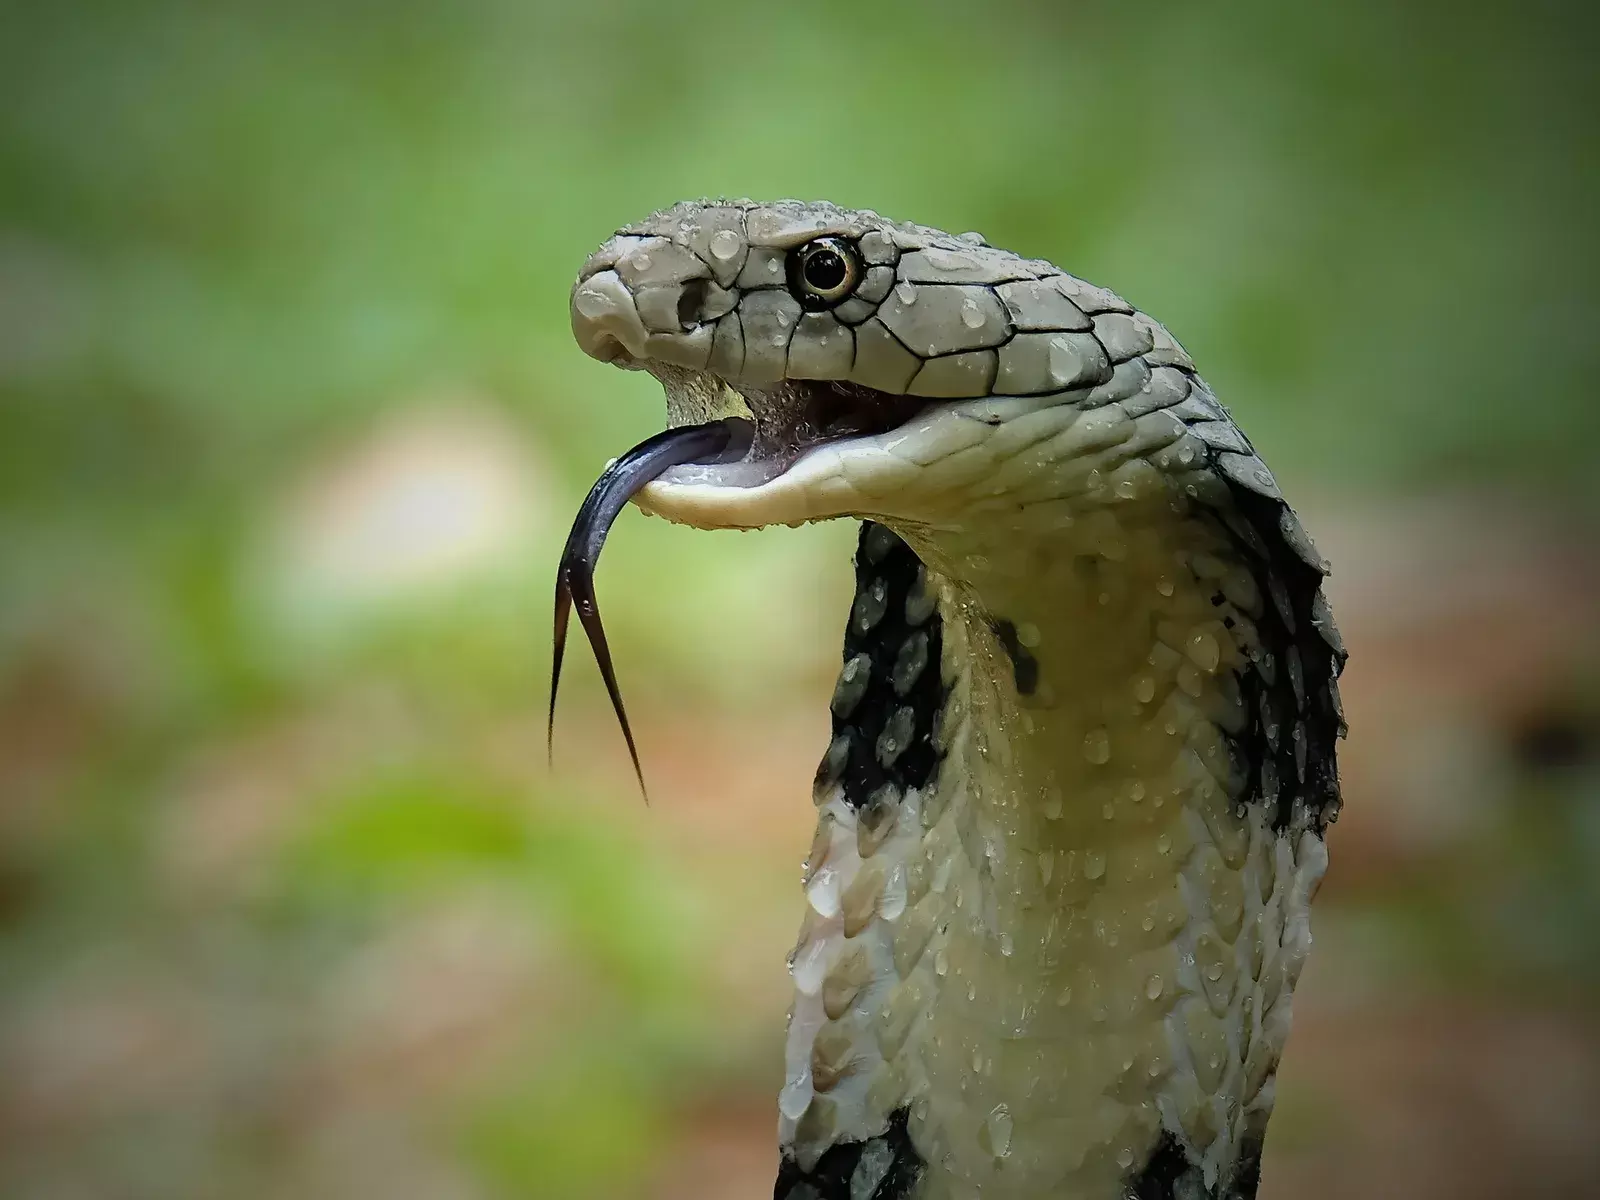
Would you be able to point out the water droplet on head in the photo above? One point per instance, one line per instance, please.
(1097, 746)
(1065, 364)
(639, 260)
(591, 303)
(724, 244)
(1153, 985)
(972, 316)
(905, 293)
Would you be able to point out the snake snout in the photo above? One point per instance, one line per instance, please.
(606, 321)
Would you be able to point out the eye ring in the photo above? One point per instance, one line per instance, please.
(824, 272)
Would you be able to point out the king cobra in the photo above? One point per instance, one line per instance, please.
(1071, 817)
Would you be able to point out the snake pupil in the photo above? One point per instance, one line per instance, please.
(826, 270)
(823, 273)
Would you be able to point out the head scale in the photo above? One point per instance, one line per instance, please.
(756, 295)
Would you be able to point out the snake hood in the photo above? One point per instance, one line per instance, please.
(1071, 815)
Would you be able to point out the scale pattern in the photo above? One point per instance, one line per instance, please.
(1080, 595)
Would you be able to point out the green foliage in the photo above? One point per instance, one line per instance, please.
(238, 239)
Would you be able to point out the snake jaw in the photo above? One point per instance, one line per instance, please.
(779, 425)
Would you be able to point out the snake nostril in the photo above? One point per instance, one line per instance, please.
(691, 302)
(609, 350)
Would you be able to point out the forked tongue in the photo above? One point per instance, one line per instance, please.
(575, 575)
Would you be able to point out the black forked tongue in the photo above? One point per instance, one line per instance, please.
(611, 492)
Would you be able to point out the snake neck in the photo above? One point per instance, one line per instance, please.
(1053, 920)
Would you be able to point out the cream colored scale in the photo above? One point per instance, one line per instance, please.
(1113, 946)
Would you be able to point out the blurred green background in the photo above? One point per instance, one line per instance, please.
(291, 425)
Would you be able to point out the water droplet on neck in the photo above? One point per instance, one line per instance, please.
(997, 1128)
(1052, 804)
(1204, 651)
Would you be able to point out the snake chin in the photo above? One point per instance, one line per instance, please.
(778, 423)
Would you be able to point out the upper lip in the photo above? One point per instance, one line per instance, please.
(605, 319)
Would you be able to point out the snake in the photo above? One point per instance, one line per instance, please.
(1082, 758)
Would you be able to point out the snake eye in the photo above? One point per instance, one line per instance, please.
(824, 272)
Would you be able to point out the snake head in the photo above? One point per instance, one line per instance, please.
(846, 339)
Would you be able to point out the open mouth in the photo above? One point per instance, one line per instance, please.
(781, 422)
(719, 437)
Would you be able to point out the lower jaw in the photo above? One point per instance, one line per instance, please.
(739, 495)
